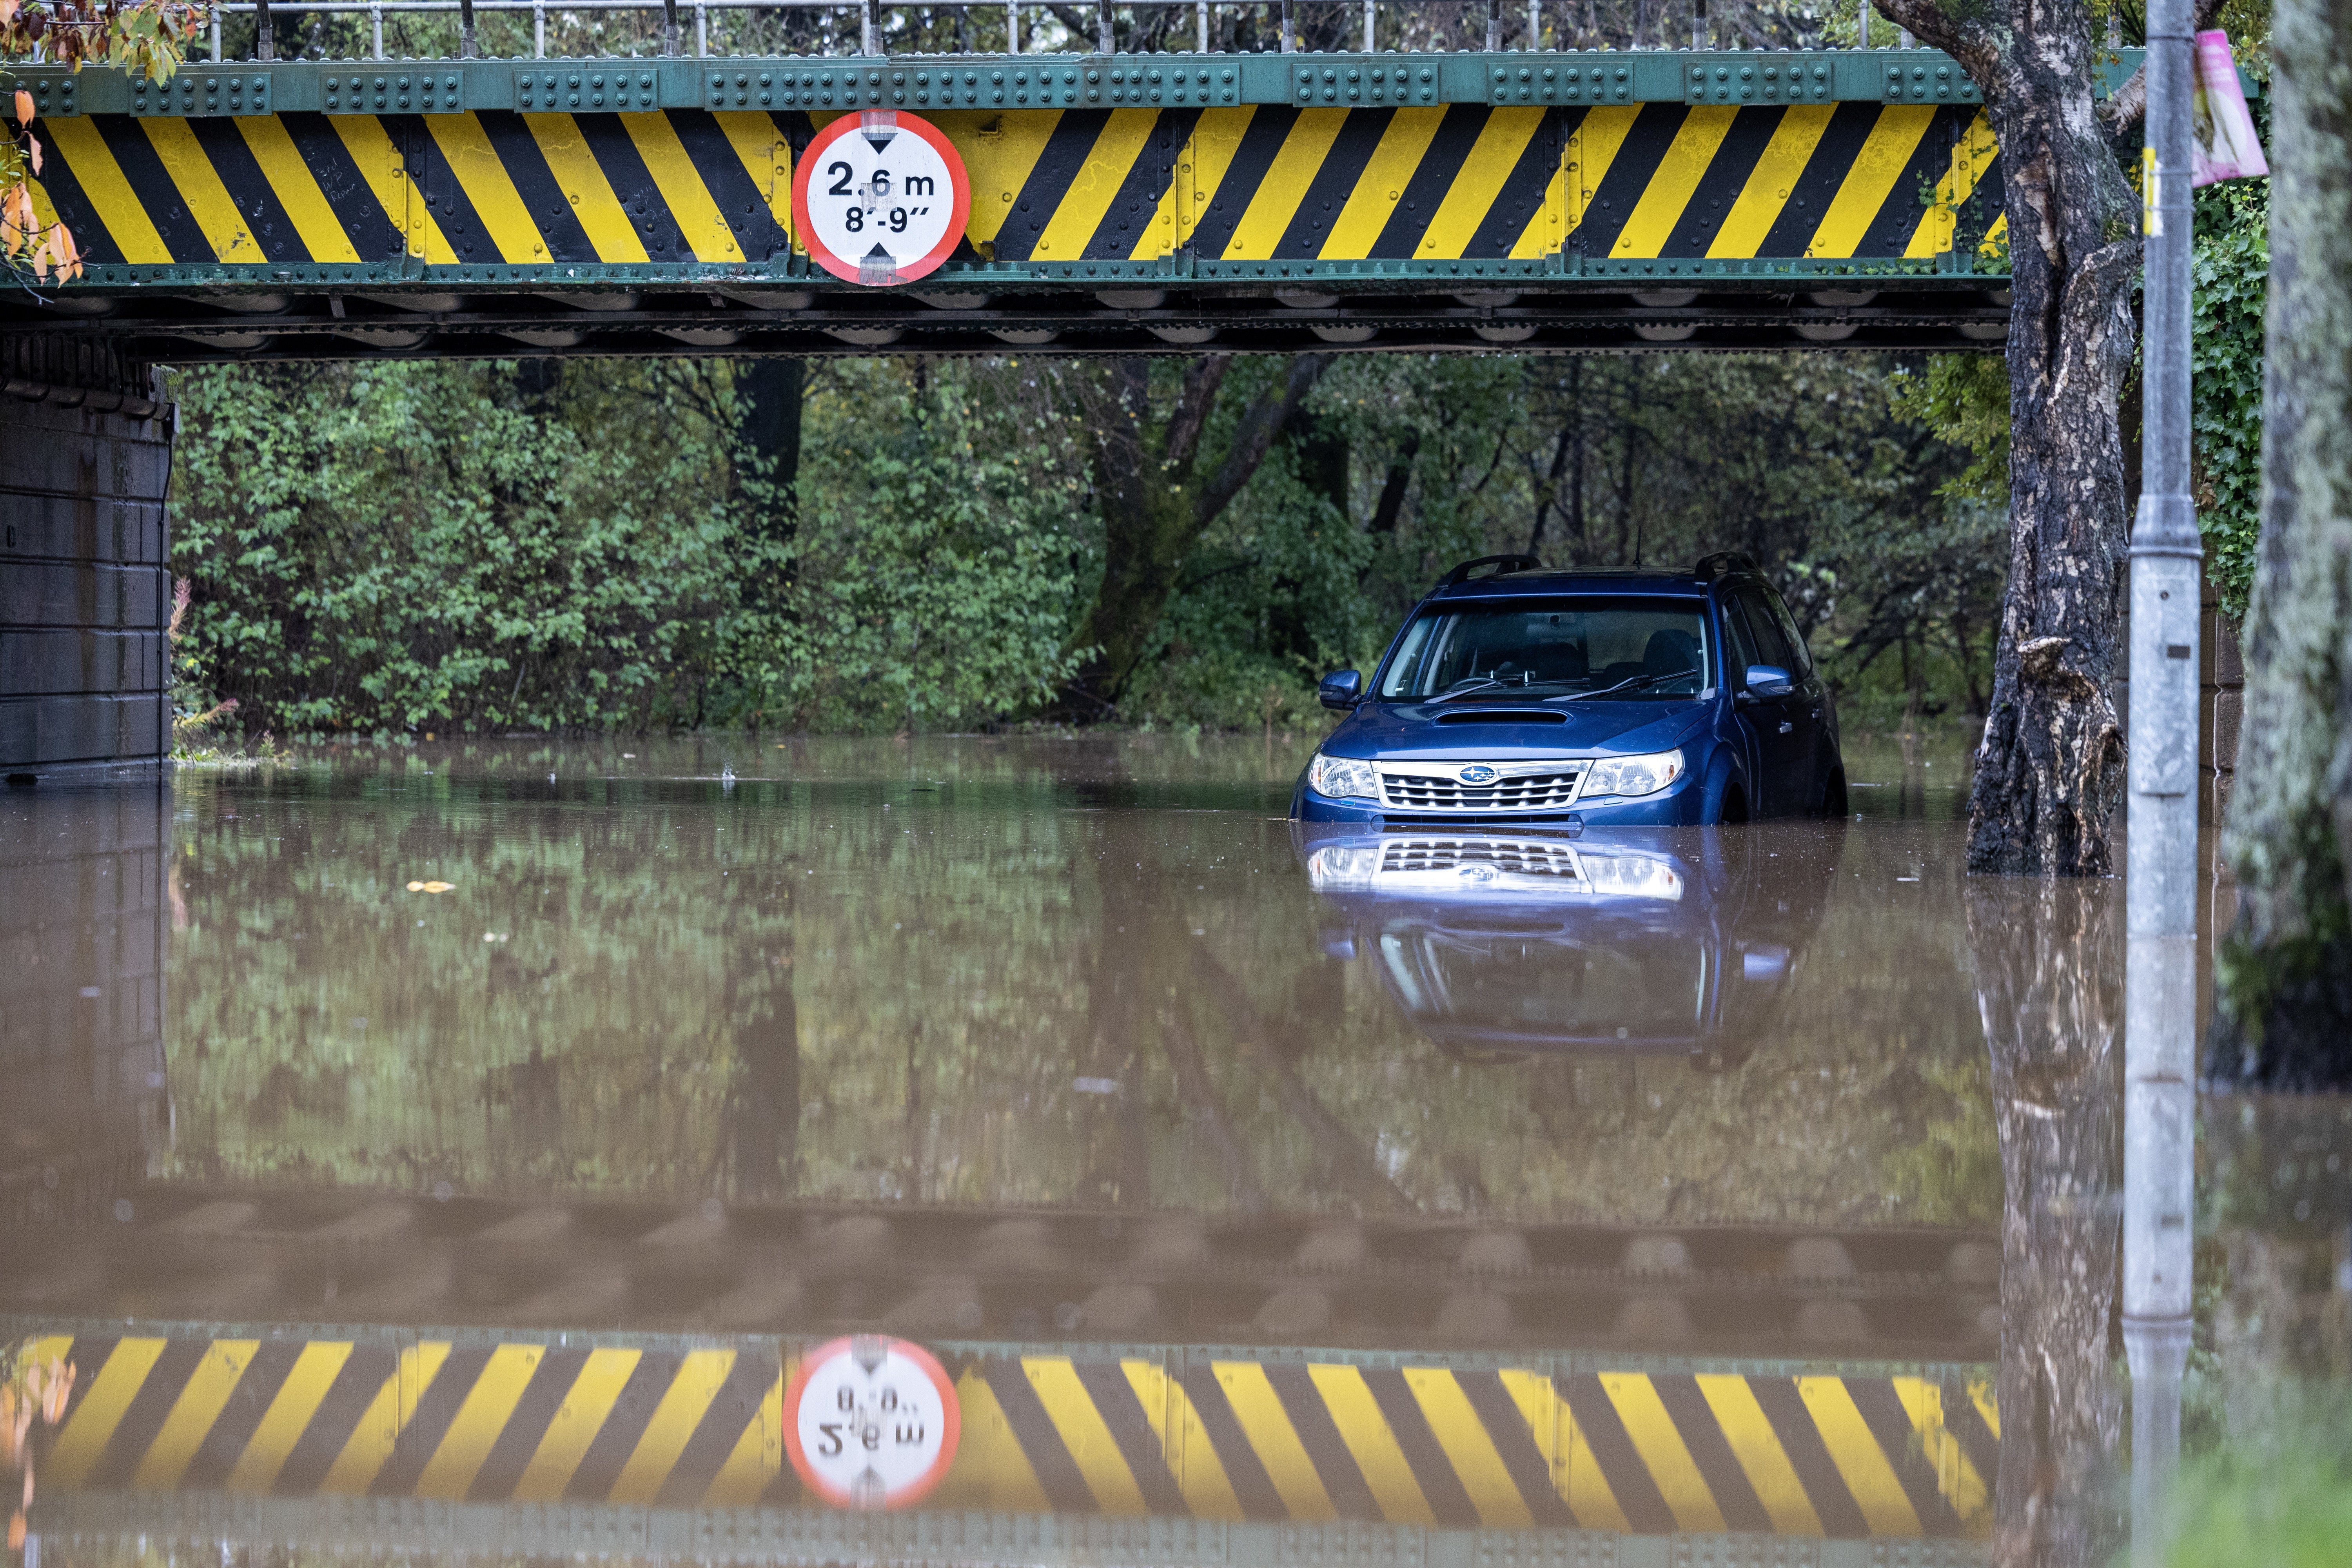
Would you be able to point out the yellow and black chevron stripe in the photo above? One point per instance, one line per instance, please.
(1305, 1440)
(1841, 180)
(1658, 181)
(520, 189)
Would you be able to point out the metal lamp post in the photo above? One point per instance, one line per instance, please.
(2160, 990)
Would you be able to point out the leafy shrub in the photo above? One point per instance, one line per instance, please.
(935, 567)
(388, 547)
(2231, 282)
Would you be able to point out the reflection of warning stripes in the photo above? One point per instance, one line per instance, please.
(525, 1422)
(1271, 183)
(1626, 1451)
(1241, 1439)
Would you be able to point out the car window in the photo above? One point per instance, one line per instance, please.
(1739, 642)
(1788, 631)
(1770, 646)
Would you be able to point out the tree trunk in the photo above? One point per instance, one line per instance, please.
(2286, 971)
(1629, 532)
(1583, 546)
(1391, 505)
(1158, 495)
(770, 394)
(2050, 769)
(2049, 961)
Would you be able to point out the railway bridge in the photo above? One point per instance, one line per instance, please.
(1105, 203)
(1116, 204)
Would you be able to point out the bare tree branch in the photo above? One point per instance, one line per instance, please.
(2120, 115)
(1203, 377)
(1257, 431)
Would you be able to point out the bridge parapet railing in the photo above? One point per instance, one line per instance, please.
(258, 30)
(1031, 80)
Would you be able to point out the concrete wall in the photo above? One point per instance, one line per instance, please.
(84, 581)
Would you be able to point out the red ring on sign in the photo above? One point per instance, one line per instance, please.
(950, 1418)
(922, 266)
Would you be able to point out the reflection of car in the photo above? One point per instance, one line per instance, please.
(1617, 697)
(1643, 940)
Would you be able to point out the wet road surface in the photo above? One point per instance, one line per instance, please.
(514, 1129)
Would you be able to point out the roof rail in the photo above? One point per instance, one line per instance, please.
(1721, 564)
(1501, 563)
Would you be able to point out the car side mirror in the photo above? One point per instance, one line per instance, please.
(1341, 689)
(1768, 681)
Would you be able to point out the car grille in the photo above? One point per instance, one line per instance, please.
(1533, 791)
(1400, 857)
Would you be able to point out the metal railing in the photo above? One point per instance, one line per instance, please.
(1047, 33)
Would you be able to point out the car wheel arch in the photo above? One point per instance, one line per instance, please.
(1725, 781)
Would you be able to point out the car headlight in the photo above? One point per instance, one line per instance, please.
(1634, 775)
(1343, 778)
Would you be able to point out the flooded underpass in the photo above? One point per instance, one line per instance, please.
(1030, 1151)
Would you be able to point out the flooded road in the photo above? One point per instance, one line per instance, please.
(517, 1129)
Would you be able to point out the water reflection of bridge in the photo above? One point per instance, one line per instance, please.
(344, 1425)
(468, 1375)
(291, 1359)
(194, 1252)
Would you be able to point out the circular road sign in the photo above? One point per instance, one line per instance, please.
(871, 1422)
(880, 197)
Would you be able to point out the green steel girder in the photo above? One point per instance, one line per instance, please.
(201, 246)
(249, 88)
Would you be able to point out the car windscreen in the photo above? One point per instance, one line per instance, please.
(1602, 649)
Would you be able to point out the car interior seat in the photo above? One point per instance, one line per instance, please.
(1670, 653)
(1556, 663)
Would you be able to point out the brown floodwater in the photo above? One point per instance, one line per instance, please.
(980, 1150)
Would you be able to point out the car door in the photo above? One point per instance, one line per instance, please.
(1739, 651)
(1783, 767)
(1808, 707)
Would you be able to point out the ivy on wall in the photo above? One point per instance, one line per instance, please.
(2230, 280)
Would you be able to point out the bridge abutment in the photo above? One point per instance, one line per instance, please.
(85, 574)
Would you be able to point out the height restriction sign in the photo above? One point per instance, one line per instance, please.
(880, 197)
(871, 1422)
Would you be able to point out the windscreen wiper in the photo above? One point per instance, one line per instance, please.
(1621, 686)
(1484, 681)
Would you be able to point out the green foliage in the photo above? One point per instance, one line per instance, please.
(932, 576)
(2230, 283)
(1795, 460)
(413, 546)
(478, 547)
(395, 547)
(2248, 22)
(2278, 1494)
(1964, 398)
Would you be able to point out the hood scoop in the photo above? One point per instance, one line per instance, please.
(1503, 716)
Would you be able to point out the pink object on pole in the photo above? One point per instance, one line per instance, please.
(2223, 145)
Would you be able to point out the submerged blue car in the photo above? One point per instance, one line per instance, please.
(1611, 698)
